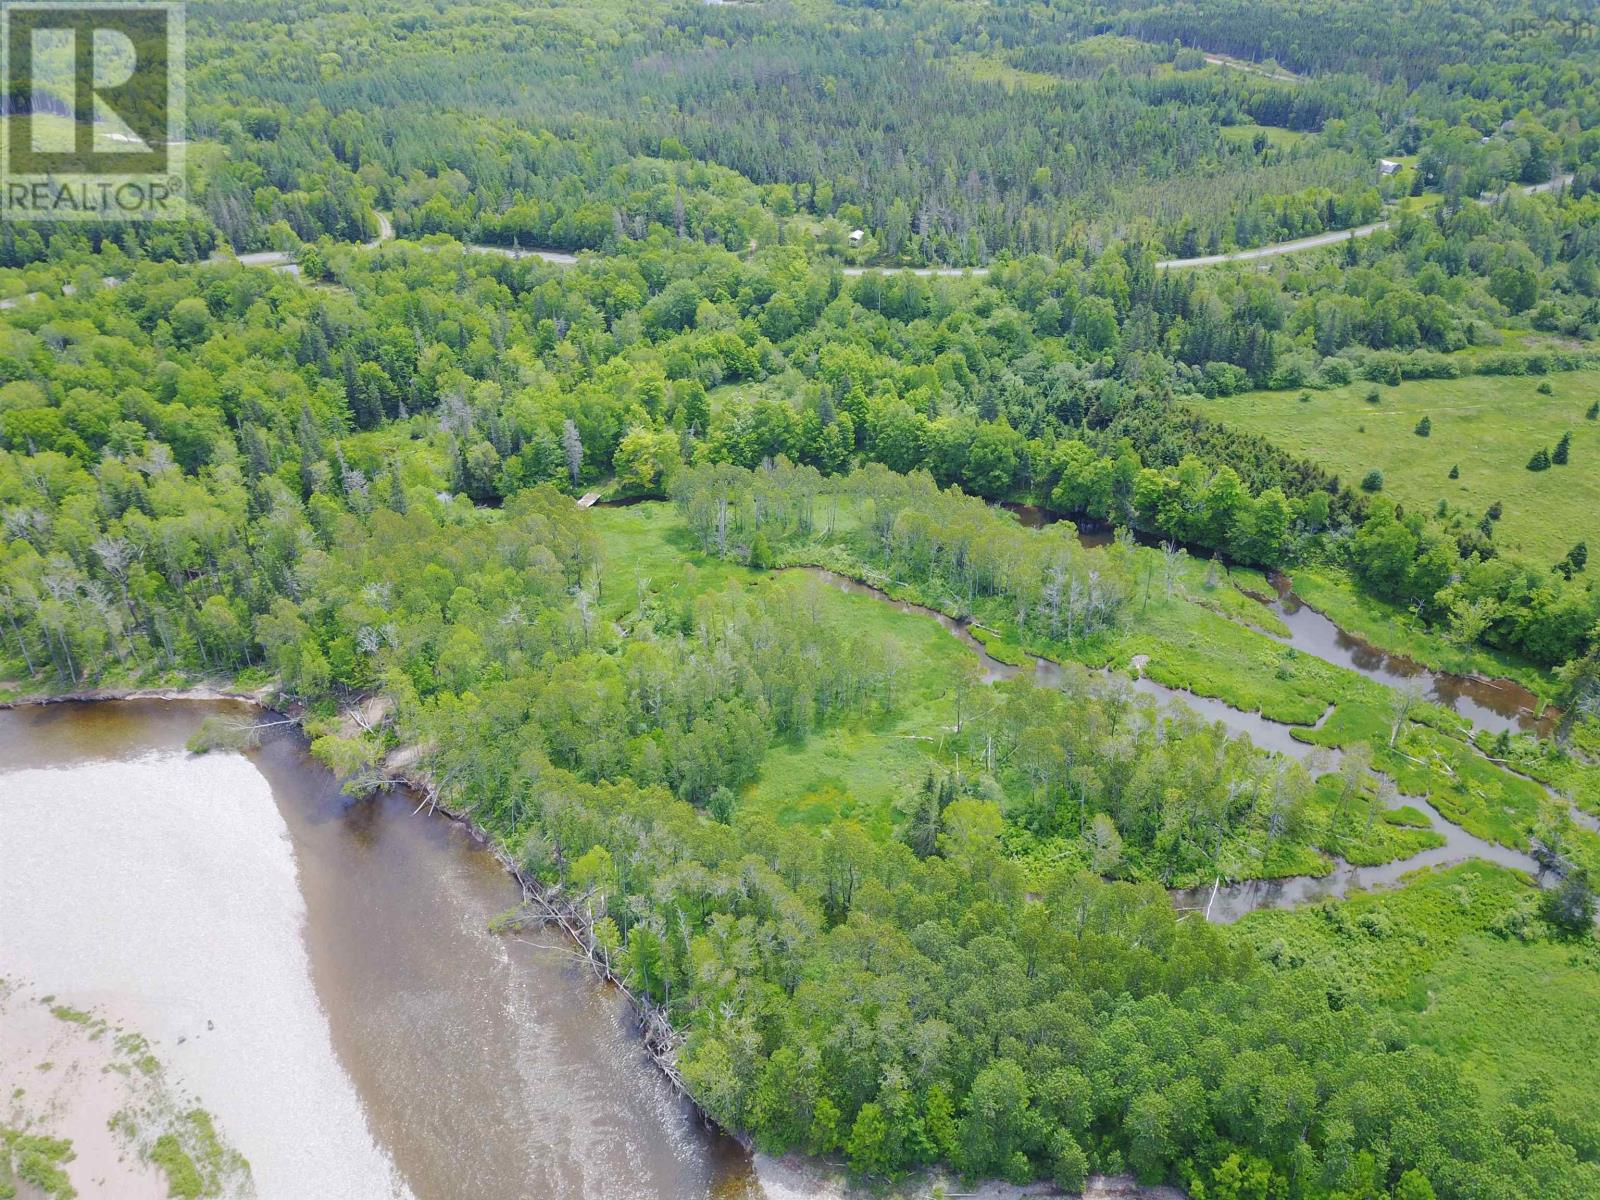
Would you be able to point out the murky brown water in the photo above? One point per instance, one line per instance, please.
(1494, 705)
(485, 1066)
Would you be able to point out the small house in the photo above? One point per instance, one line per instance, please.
(857, 237)
(1387, 167)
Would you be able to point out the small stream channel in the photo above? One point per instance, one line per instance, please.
(1228, 902)
(1493, 705)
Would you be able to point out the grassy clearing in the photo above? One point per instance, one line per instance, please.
(1509, 1009)
(858, 771)
(1487, 425)
(1544, 995)
(1277, 136)
(1195, 636)
(1193, 649)
(850, 772)
(647, 546)
(989, 68)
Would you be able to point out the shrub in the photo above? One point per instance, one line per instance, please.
(1563, 449)
(1544, 388)
(760, 553)
(1570, 906)
(1424, 427)
(1540, 461)
(1594, 411)
(1455, 472)
(1373, 482)
(1372, 396)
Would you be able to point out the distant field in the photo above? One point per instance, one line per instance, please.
(1277, 135)
(1489, 426)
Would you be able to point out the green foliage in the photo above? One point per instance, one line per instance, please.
(1570, 905)
(1477, 421)
(348, 483)
(37, 1161)
(1443, 954)
(760, 553)
(183, 1177)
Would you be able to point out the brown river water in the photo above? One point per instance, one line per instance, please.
(320, 973)
(1494, 705)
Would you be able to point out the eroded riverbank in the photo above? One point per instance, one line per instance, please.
(478, 1064)
(368, 1035)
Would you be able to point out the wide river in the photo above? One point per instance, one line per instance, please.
(319, 973)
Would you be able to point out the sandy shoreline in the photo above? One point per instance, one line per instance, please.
(789, 1177)
(79, 1075)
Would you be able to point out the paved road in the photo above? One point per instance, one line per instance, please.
(283, 260)
(560, 257)
(918, 270)
(1330, 238)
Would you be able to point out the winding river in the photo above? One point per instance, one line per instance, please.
(1264, 733)
(320, 974)
(1494, 705)
(1226, 902)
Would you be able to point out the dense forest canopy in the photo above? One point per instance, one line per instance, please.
(1038, 128)
(357, 481)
